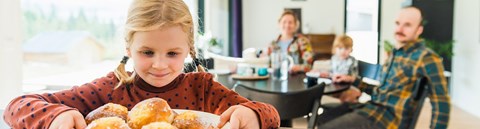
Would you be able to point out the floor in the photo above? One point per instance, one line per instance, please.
(459, 119)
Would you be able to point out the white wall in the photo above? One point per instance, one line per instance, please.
(260, 18)
(466, 63)
(389, 11)
(10, 51)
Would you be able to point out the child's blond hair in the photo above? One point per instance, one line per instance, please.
(147, 15)
(342, 41)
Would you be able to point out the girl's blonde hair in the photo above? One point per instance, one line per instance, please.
(295, 17)
(147, 15)
(342, 41)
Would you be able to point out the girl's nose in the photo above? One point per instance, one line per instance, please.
(159, 63)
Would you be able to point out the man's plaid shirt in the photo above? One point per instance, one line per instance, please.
(392, 101)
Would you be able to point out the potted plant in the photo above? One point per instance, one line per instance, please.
(444, 49)
(215, 46)
(388, 47)
(207, 42)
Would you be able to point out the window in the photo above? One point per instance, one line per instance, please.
(361, 23)
(75, 40)
(216, 26)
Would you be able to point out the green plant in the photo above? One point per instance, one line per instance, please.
(215, 45)
(213, 42)
(387, 46)
(444, 49)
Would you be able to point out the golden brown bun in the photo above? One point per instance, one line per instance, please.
(107, 110)
(159, 125)
(187, 120)
(108, 123)
(148, 111)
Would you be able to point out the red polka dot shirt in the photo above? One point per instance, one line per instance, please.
(193, 91)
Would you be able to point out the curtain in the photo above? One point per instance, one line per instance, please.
(235, 28)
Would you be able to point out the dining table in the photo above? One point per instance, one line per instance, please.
(294, 83)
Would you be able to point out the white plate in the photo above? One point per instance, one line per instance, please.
(325, 80)
(219, 71)
(313, 74)
(206, 118)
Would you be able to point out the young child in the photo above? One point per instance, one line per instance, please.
(341, 61)
(159, 38)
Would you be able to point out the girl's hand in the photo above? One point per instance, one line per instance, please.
(240, 117)
(69, 120)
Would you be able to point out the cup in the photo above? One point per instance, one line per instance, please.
(262, 71)
(311, 81)
(249, 71)
(242, 69)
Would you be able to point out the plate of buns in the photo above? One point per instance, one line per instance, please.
(153, 113)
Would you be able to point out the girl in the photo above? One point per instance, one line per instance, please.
(159, 38)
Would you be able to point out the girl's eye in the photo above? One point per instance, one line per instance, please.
(172, 53)
(148, 53)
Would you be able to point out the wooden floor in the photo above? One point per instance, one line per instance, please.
(459, 119)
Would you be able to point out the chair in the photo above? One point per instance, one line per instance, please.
(365, 70)
(321, 45)
(223, 62)
(289, 105)
(207, 63)
(420, 92)
(368, 70)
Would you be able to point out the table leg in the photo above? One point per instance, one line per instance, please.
(286, 123)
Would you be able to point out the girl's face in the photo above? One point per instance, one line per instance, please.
(343, 52)
(158, 55)
(288, 24)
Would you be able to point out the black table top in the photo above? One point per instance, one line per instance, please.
(292, 84)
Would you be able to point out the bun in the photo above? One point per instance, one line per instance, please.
(159, 125)
(107, 110)
(108, 123)
(187, 120)
(148, 111)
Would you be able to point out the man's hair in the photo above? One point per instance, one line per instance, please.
(423, 22)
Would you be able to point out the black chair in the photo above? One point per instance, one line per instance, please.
(365, 70)
(420, 92)
(289, 105)
(368, 70)
(206, 63)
